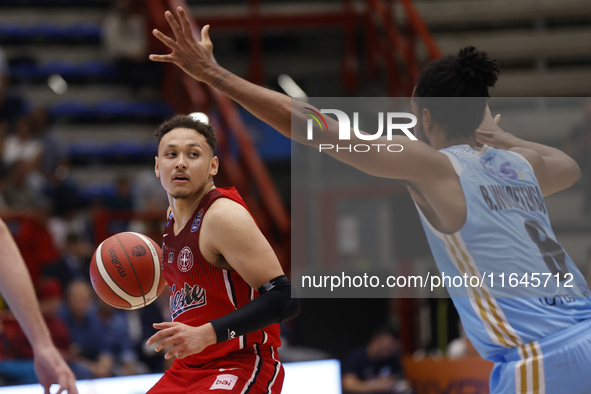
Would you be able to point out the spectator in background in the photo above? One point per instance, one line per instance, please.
(375, 368)
(69, 220)
(54, 165)
(21, 156)
(141, 324)
(578, 146)
(74, 261)
(148, 193)
(90, 357)
(125, 40)
(55, 155)
(151, 200)
(115, 329)
(122, 200)
(22, 146)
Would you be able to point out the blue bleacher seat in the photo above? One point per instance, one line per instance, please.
(27, 71)
(46, 32)
(119, 151)
(93, 70)
(63, 68)
(55, 2)
(83, 32)
(98, 189)
(87, 32)
(96, 69)
(70, 110)
(87, 151)
(112, 110)
(14, 33)
(151, 109)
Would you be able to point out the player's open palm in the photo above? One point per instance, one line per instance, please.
(182, 340)
(192, 56)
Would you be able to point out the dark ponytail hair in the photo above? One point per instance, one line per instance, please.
(460, 84)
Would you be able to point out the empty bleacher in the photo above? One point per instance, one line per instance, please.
(544, 47)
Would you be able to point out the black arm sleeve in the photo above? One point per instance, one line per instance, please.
(273, 305)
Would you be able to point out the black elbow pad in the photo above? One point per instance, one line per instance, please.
(280, 287)
(273, 305)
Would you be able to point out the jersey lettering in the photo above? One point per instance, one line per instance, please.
(189, 297)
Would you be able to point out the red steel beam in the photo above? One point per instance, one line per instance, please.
(319, 21)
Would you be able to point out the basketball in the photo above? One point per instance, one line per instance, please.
(125, 271)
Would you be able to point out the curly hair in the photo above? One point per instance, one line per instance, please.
(463, 80)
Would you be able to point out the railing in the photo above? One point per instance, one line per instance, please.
(244, 170)
(386, 42)
(380, 16)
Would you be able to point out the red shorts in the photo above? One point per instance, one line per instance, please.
(254, 371)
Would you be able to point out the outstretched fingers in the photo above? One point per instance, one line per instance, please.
(169, 42)
(162, 58)
(174, 25)
(185, 23)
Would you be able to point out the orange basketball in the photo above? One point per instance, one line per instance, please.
(125, 271)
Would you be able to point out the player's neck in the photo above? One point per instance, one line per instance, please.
(183, 208)
(445, 143)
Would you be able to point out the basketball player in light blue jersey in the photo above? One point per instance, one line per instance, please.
(482, 208)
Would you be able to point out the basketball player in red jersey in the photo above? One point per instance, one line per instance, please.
(228, 291)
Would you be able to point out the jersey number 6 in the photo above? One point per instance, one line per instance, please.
(552, 252)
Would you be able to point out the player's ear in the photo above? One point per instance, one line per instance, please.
(426, 119)
(156, 167)
(214, 166)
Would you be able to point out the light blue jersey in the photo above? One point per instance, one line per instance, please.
(507, 235)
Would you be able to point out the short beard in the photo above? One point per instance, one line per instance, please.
(180, 195)
(420, 134)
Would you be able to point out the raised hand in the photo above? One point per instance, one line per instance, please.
(489, 131)
(193, 56)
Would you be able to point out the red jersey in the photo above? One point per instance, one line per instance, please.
(201, 292)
